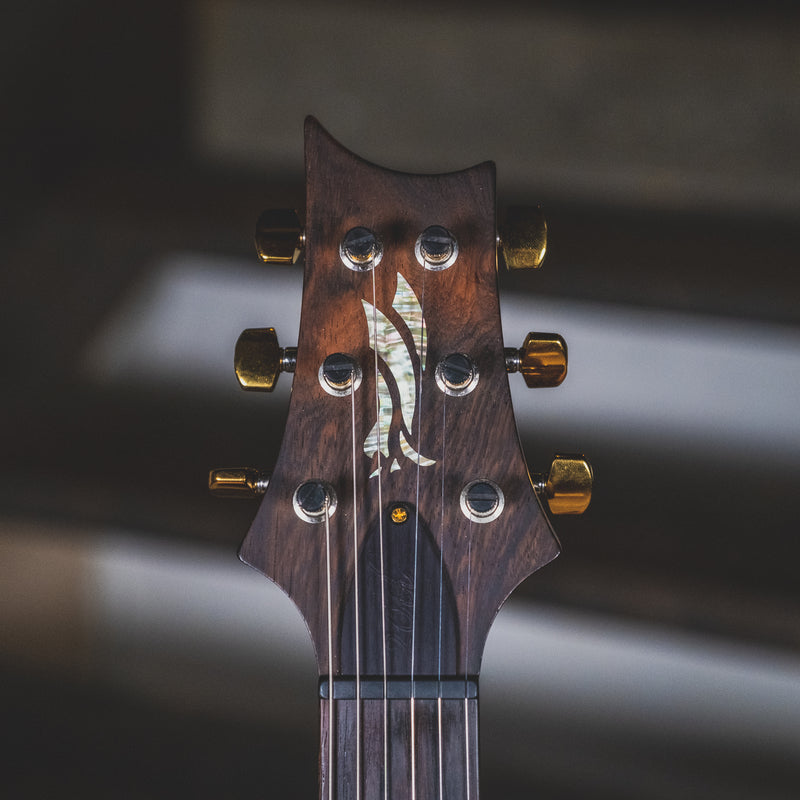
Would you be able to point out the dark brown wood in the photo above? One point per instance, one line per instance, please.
(445, 749)
(429, 625)
(429, 585)
(477, 432)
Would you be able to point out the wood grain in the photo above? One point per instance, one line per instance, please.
(469, 437)
(445, 752)
(412, 594)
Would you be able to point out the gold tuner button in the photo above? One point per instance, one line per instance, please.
(258, 360)
(279, 236)
(568, 486)
(542, 360)
(237, 482)
(523, 237)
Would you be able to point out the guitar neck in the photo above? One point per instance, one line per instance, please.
(405, 748)
(402, 721)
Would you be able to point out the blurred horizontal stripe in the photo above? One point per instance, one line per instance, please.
(702, 385)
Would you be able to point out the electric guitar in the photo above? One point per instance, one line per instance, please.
(400, 513)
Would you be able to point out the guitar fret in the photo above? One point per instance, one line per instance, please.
(401, 688)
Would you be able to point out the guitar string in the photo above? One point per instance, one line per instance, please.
(439, 733)
(466, 658)
(330, 650)
(380, 547)
(355, 590)
(441, 584)
(416, 556)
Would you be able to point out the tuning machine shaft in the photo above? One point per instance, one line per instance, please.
(567, 487)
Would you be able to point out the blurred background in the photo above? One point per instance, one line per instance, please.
(659, 656)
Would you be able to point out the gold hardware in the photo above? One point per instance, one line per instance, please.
(542, 360)
(279, 236)
(568, 486)
(399, 515)
(258, 360)
(237, 482)
(523, 237)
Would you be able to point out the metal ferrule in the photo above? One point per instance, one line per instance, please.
(512, 359)
(288, 362)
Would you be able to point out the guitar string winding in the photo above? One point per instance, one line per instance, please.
(380, 535)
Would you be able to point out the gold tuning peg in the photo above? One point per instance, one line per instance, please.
(237, 482)
(568, 486)
(279, 236)
(258, 360)
(523, 237)
(542, 360)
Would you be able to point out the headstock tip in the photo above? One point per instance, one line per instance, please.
(312, 123)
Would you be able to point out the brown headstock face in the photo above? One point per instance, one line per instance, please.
(401, 502)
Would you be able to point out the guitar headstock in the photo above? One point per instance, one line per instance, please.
(400, 513)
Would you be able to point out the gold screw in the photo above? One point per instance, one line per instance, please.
(399, 515)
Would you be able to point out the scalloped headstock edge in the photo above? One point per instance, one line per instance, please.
(437, 572)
